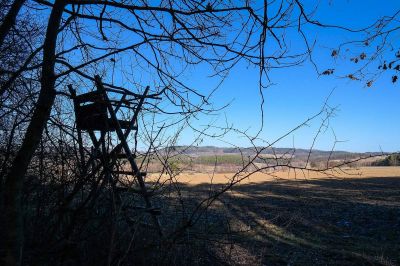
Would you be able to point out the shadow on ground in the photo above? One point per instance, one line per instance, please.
(308, 222)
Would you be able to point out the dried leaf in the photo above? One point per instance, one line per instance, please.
(369, 83)
(394, 79)
(354, 59)
(334, 53)
(363, 56)
(352, 77)
(328, 72)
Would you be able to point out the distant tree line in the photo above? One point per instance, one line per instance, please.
(391, 160)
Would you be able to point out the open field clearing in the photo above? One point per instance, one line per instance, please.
(353, 219)
(192, 178)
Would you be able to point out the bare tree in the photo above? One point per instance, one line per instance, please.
(8, 20)
(131, 44)
(371, 54)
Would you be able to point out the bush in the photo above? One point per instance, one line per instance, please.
(391, 160)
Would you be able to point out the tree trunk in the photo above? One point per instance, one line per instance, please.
(12, 209)
(9, 19)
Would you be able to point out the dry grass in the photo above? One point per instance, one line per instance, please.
(191, 178)
(287, 218)
(345, 217)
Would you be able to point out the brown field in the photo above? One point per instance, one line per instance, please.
(191, 178)
(288, 218)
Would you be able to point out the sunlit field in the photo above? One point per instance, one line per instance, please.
(196, 178)
(349, 217)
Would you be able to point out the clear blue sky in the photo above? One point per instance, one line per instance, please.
(367, 118)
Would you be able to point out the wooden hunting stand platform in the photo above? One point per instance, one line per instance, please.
(96, 112)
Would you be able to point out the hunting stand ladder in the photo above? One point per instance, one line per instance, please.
(96, 112)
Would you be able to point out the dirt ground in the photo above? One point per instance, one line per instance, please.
(303, 219)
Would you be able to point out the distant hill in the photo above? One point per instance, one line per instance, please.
(298, 153)
(227, 159)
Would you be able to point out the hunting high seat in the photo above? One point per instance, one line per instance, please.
(95, 111)
(91, 113)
